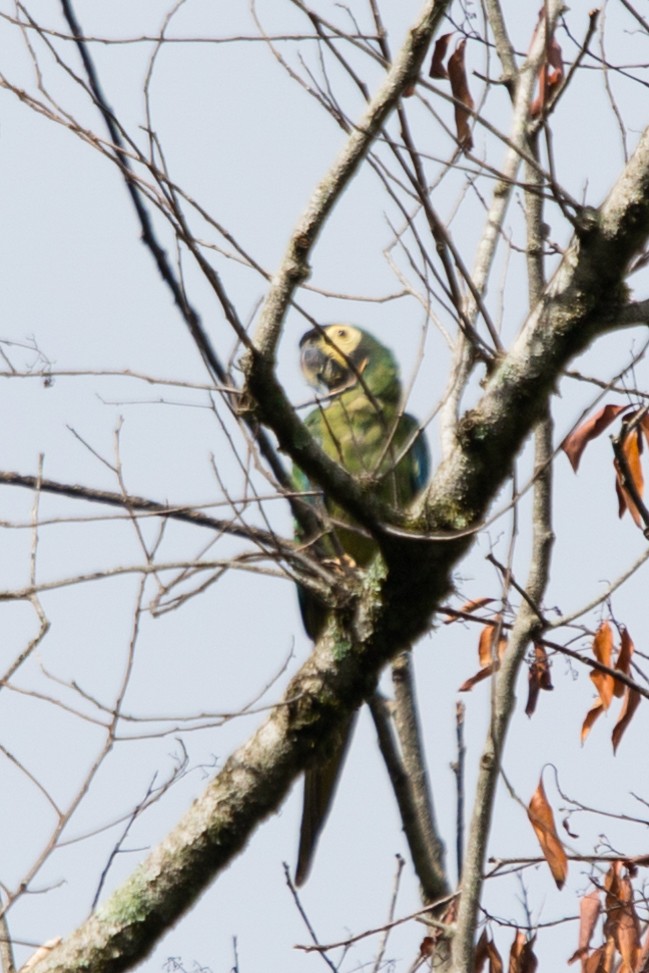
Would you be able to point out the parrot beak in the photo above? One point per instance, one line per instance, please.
(322, 368)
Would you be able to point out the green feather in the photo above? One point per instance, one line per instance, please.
(359, 425)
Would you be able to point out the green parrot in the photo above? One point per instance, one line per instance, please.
(360, 424)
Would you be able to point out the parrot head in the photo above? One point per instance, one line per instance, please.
(339, 356)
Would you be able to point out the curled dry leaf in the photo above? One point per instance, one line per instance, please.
(488, 655)
(601, 960)
(539, 678)
(574, 444)
(486, 951)
(550, 78)
(644, 426)
(629, 706)
(467, 609)
(592, 715)
(550, 73)
(521, 955)
(603, 650)
(481, 674)
(463, 101)
(589, 910)
(631, 450)
(608, 686)
(622, 923)
(623, 663)
(542, 820)
(437, 69)
(487, 652)
(643, 958)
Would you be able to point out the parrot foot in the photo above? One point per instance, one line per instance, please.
(341, 565)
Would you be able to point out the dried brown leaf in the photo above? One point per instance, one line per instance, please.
(437, 69)
(539, 678)
(592, 715)
(574, 444)
(463, 101)
(521, 955)
(600, 960)
(550, 78)
(631, 448)
(644, 426)
(603, 651)
(590, 907)
(643, 958)
(629, 706)
(551, 71)
(480, 954)
(623, 663)
(486, 950)
(621, 920)
(620, 493)
(488, 664)
(481, 674)
(467, 608)
(542, 820)
(516, 951)
(486, 644)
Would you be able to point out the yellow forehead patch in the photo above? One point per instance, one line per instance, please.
(344, 341)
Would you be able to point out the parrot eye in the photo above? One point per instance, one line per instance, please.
(341, 333)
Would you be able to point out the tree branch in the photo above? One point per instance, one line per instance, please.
(526, 626)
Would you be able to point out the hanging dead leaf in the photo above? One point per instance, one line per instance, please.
(516, 950)
(643, 958)
(632, 470)
(427, 947)
(644, 425)
(623, 663)
(539, 678)
(463, 101)
(542, 820)
(486, 951)
(575, 444)
(437, 69)
(550, 78)
(521, 955)
(621, 920)
(629, 706)
(488, 664)
(487, 643)
(600, 960)
(603, 650)
(621, 498)
(590, 907)
(592, 715)
(550, 74)
(467, 608)
(481, 674)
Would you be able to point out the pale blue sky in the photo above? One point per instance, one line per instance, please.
(249, 145)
